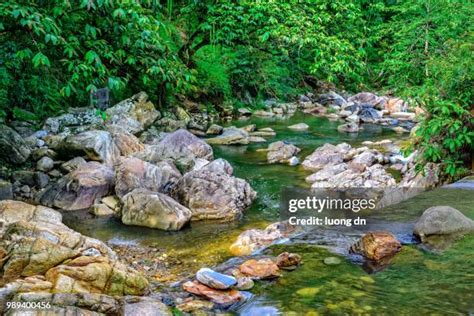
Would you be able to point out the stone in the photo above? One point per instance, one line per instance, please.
(181, 147)
(281, 152)
(332, 261)
(327, 154)
(260, 269)
(368, 114)
(230, 136)
(400, 130)
(45, 164)
(41, 179)
(364, 159)
(377, 246)
(264, 113)
(244, 112)
(24, 177)
(326, 173)
(96, 145)
(195, 307)
(39, 153)
(353, 118)
(215, 279)
(442, 220)
(299, 127)
(126, 142)
(13, 148)
(154, 210)
(72, 164)
(331, 98)
(348, 128)
(255, 239)
(212, 193)
(224, 298)
(244, 283)
(101, 210)
(135, 114)
(394, 105)
(147, 307)
(214, 129)
(263, 132)
(287, 260)
(257, 139)
(111, 202)
(403, 116)
(81, 188)
(368, 98)
(133, 173)
(77, 117)
(293, 161)
(6, 190)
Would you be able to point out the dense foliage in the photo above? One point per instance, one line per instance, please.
(54, 53)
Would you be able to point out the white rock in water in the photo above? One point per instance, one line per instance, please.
(215, 279)
(299, 127)
(293, 161)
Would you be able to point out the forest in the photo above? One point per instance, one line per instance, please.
(54, 53)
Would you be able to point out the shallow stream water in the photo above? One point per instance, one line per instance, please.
(417, 281)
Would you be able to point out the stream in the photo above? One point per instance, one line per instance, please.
(417, 281)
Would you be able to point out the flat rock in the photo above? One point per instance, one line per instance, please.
(260, 269)
(221, 297)
(377, 246)
(299, 127)
(281, 152)
(215, 279)
(230, 136)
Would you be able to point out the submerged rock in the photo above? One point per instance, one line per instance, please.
(348, 128)
(13, 148)
(221, 297)
(81, 188)
(153, 210)
(331, 261)
(230, 136)
(254, 239)
(260, 269)
(442, 220)
(288, 260)
(281, 152)
(215, 279)
(212, 193)
(299, 127)
(377, 246)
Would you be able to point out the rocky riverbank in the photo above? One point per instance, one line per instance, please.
(150, 169)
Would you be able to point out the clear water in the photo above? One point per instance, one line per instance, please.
(418, 281)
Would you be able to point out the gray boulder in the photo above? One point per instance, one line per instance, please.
(81, 188)
(6, 190)
(132, 173)
(327, 154)
(442, 220)
(281, 152)
(134, 114)
(45, 164)
(96, 145)
(13, 148)
(154, 210)
(212, 193)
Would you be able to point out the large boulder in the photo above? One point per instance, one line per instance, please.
(212, 193)
(75, 118)
(326, 173)
(331, 98)
(368, 98)
(181, 147)
(231, 136)
(13, 148)
(153, 210)
(126, 142)
(41, 254)
(327, 154)
(135, 114)
(442, 220)
(132, 173)
(81, 188)
(281, 152)
(96, 145)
